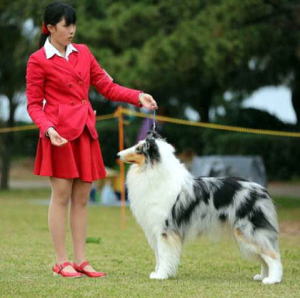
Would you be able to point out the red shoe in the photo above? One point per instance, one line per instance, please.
(80, 268)
(58, 269)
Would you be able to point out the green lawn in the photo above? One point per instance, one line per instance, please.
(207, 269)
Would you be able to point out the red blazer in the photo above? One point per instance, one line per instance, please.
(65, 87)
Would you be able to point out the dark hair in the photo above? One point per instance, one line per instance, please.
(54, 13)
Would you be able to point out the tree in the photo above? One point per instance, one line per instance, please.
(16, 44)
(194, 51)
(253, 44)
(152, 45)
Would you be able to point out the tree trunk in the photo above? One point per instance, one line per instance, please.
(6, 158)
(8, 143)
(296, 95)
(205, 104)
(204, 113)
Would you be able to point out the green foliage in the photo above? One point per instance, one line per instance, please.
(147, 45)
(252, 44)
(24, 142)
(194, 50)
(95, 240)
(190, 50)
(108, 138)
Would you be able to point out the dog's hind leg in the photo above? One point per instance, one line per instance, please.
(273, 261)
(250, 250)
(263, 271)
(169, 245)
(267, 243)
(266, 251)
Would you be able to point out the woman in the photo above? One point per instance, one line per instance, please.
(58, 78)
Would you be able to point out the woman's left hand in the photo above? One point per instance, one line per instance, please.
(147, 101)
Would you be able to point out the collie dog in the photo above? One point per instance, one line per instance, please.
(172, 206)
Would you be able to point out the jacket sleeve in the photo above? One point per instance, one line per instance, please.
(105, 85)
(35, 78)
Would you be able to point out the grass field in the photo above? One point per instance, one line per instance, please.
(207, 269)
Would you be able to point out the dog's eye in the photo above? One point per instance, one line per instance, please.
(139, 149)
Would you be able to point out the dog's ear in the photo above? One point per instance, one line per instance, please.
(151, 150)
(149, 142)
(152, 134)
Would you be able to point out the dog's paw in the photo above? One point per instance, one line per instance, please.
(155, 275)
(270, 280)
(258, 277)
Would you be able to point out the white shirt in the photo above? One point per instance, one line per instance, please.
(51, 50)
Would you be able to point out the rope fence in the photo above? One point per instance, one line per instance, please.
(123, 111)
(213, 125)
(119, 114)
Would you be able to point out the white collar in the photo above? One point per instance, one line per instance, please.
(50, 50)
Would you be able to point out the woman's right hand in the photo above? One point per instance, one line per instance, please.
(55, 138)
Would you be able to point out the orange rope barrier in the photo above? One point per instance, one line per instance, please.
(105, 117)
(17, 128)
(214, 125)
(32, 126)
(174, 120)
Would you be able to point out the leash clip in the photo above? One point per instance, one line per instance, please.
(154, 121)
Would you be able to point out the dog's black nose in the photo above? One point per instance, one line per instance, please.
(117, 156)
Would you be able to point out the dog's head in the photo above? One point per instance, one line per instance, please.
(147, 151)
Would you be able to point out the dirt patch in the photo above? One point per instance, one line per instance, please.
(290, 228)
(284, 189)
(22, 169)
(22, 177)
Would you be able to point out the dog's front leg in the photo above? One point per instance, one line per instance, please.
(169, 246)
(152, 240)
(155, 250)
(156, 258)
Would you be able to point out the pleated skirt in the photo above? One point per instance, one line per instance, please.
(80, 158)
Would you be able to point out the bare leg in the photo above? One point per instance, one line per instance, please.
(60, 197)
(78, 219)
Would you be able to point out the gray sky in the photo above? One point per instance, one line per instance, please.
(275, 100)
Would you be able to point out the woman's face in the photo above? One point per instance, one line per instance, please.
(61, 33)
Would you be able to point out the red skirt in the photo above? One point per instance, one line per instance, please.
(80, 158)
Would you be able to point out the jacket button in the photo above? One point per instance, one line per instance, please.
(84, 101)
